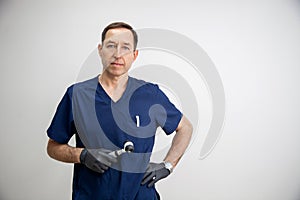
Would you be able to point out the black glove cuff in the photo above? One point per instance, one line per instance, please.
(82, 156)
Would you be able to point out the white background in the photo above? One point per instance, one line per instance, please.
(255, 46)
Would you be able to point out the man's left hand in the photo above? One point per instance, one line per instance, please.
(154, 173)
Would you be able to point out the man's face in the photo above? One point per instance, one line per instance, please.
(117, 51)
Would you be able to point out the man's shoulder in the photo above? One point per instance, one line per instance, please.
(86, 85)
(143, 84)
(92, 82)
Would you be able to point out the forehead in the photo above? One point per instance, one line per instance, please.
(119, 35)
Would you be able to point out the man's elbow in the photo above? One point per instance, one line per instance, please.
(50, 148)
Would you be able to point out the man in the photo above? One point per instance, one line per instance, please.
(107, 111)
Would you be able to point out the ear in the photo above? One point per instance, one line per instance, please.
(135, 54)
(100, 50)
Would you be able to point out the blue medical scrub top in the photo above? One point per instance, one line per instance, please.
(87, 111)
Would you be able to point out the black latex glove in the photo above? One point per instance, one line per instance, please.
(97, 160)
(154, 173)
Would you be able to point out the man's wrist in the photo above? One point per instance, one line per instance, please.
(168, 166)
(82, 156)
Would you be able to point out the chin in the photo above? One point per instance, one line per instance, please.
(117, 72)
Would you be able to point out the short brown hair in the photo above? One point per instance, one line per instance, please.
(120, 25)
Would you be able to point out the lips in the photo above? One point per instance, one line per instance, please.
(117, 64)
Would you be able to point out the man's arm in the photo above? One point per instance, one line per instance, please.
(63, 152)
(180, 141)
(97, 160)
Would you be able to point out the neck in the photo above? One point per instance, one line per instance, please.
(113, 82)
(113, 86)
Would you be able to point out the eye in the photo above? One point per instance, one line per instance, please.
(126, 48)
(110, 46)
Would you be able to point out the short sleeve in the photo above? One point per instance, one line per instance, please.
(169, 122)
(62, 127)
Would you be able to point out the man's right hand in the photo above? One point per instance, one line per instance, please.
(97, 160)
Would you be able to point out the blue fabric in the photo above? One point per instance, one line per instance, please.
(88, 112)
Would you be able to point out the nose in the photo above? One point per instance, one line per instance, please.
(118, 52)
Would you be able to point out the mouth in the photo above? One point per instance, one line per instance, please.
(117, 64)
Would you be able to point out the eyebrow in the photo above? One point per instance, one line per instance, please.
(110, 41)
(125, 43)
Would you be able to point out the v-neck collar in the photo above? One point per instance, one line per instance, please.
(107, 98)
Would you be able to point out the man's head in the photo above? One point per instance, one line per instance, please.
(116, 25)
(118, 48)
